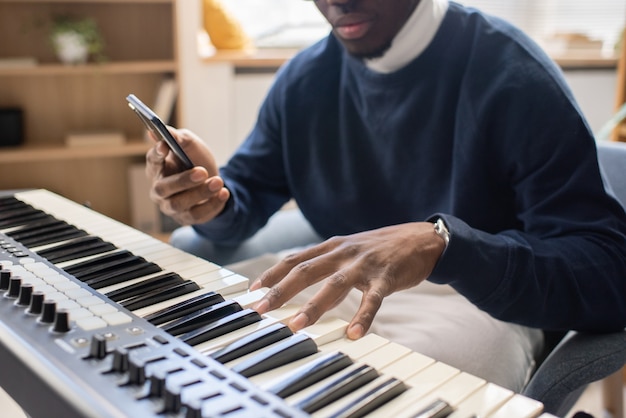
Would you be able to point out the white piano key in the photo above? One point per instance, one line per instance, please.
(326, 330)
(453, 392)
(386, 355)
(211, 276)
(194, 268)
(520, 407)
(356, 348)
(249, 299)
(483, 402)
(408, 366)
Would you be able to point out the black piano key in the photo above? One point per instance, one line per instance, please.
(51, 238)
(76, 248)
(296, 347)
(11, 202)
(111, 268)
(148, 285)
(221, 327)
(203, 317)
(337, 388)
(37, 228)
(311, 373)
(92, 249)
(184, 308)
(123, 275)
(372, 399)
(252, 342)
(14, 213)
(160, 295)
(71, 245)
(23, 219)
(96, 263)
(437, 409)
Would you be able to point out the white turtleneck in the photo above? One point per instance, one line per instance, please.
(416, 34)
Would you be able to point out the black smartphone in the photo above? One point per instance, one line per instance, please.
(155, 125)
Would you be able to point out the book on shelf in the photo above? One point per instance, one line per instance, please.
(94, 139)
(17, 62)
(165, 99)
(144, 213)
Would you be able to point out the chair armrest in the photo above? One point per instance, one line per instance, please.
(579, 359)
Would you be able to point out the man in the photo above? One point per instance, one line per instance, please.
(443, 159)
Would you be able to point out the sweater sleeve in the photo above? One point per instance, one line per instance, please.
(563, 265)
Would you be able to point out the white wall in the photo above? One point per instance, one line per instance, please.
(595, 92)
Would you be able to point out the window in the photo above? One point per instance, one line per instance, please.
(601, 20)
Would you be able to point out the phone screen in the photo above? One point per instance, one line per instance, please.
(154, 124)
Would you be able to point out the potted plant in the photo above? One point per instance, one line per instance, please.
(76, 39)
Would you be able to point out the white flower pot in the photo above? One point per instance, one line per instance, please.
(71, 48)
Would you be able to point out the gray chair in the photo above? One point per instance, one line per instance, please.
(579, 358)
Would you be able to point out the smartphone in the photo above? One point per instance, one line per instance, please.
(155, 125)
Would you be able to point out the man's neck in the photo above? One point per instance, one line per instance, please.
(416, 34)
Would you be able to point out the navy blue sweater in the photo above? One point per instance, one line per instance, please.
(479, 129)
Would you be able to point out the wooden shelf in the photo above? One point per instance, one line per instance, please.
(140, 52)
(129, 67)
(31, 154)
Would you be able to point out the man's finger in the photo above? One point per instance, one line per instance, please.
(333, 291)
(362, 321)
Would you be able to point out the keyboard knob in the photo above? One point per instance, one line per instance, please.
(136, 373)
(194, 411)
(48, 312)
(5, 277)
(157, 385)
(120, 360)
(14, 287)
(171, 401)
(26, 291)
(98, 348)
(61, 321)
(36, 303)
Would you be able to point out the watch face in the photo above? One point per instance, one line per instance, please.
(442, 230)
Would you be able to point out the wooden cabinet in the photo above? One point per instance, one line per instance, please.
(140, 51)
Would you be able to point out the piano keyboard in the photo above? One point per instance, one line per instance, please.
(101, 320)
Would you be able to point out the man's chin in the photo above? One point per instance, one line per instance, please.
(371, 53)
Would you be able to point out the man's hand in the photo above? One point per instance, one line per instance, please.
(189, 197)
(377, 262)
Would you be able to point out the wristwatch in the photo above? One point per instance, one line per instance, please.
(442, 230)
